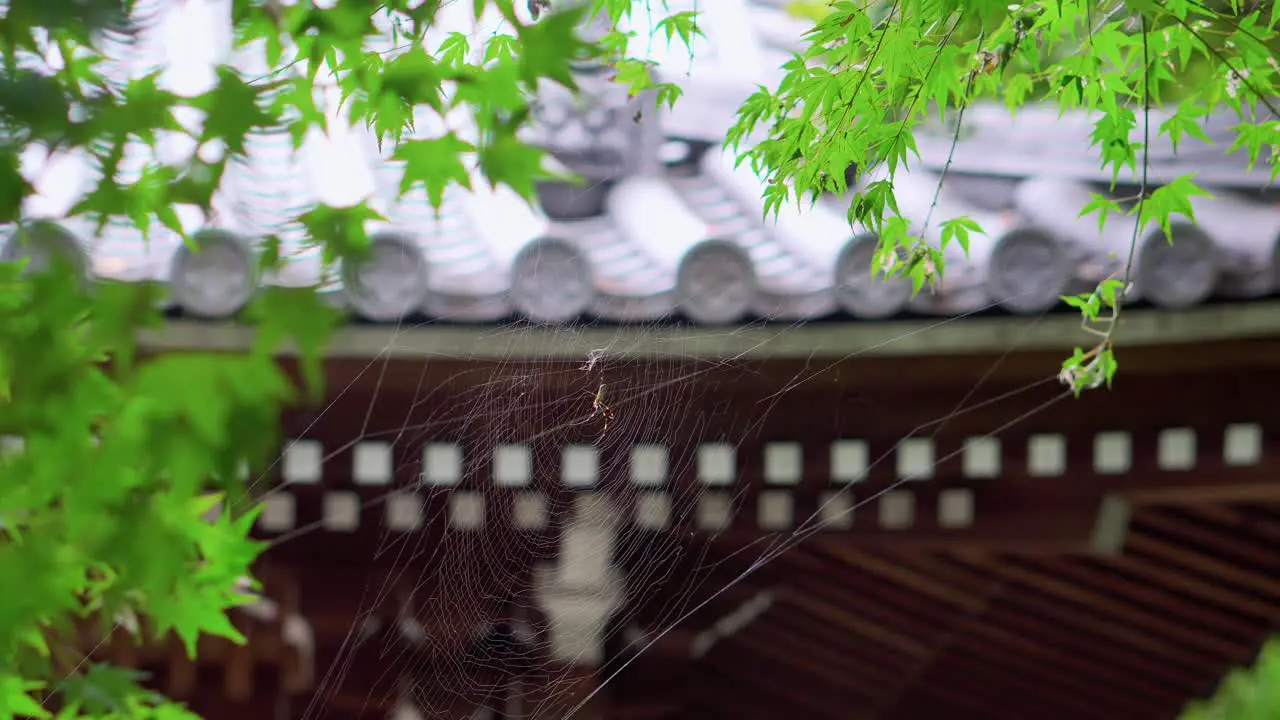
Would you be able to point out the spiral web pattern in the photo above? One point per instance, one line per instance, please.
(467, 617)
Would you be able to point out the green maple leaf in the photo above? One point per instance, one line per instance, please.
(549, 46)
(197, 182)
(34, 102)
(340, 231)
(507, 161)
(193, 608)
(434, 164)
(298, 98)
(149, 108)
(296, 314)
(16, 701)
(120, 310)
(232, 110)
(103, 689)
(224, 543)
(13, 187)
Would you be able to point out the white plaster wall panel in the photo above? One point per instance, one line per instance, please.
(586, 545)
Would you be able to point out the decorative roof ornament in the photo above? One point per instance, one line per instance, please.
(803, 241)
(675, 252)
(600, 133)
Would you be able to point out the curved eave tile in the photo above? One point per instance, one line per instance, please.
(810, 239)
(654, 233)
(1169, 276)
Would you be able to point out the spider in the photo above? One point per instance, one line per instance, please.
(601, 409)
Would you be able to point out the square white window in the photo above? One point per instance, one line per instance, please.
(897, 510)
(404, 512)
(648, 465)
(303, 462)
(371, 463)
(1242, 444)
(1112, 453)
(955, 508)
(579, 466)
(836, 510)
(775, 510)
(715, 512)
(716, 464)
(512, 465)
(653, 511)
(1176, 449)
(981, 458)
(849, 461)
(441, 464)
(466, 510)
(915, 459)
(341, 512)
(1046, 455)
(783, 463)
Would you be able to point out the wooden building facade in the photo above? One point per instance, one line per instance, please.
(843, 532)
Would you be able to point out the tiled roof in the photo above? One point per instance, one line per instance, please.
(666, 227)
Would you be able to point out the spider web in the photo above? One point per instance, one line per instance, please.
(457, 613)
